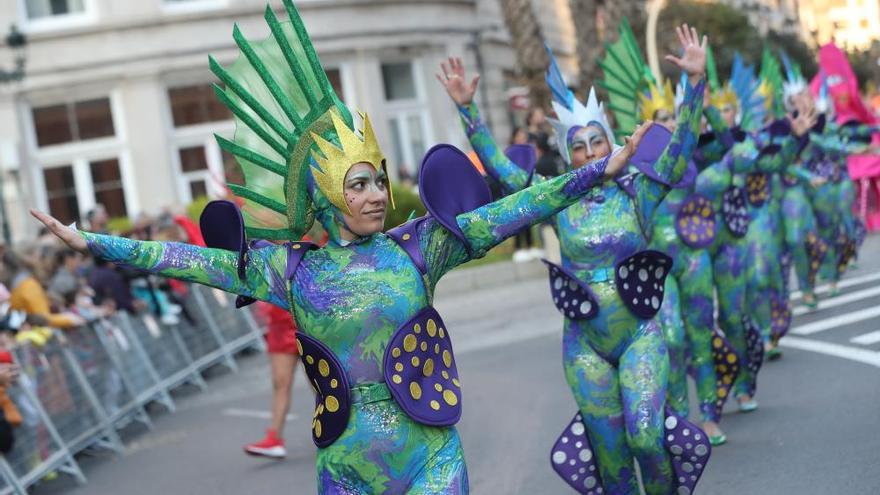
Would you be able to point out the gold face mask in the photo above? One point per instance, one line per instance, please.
(334, 162)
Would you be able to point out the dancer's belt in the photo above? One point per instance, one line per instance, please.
(367, 393)
(419, 371)
(600, 275)
(638, 278)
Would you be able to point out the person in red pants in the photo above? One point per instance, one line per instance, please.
(283, 357)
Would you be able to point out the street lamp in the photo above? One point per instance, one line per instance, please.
(16, 41)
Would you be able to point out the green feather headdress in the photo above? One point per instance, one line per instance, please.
(281, 98)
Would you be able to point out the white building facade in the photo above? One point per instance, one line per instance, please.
(117, 106)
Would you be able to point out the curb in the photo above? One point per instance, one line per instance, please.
(488, 276)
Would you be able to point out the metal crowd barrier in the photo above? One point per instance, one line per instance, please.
(77, 390)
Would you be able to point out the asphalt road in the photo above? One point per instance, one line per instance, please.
(816, 430)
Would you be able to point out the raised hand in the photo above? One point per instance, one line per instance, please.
(620, 158)
(693, 59)
(805, 121)
(453, 79)
(68, 235)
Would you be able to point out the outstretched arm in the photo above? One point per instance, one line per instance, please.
(487, 226)
(264, 273)
(674, 160)
(511, 177)
(714, 151)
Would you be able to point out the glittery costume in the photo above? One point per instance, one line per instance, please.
(722, 180)
(825, 155)
(683, 226)
(376, 352)
(804, 248)
(615, 362)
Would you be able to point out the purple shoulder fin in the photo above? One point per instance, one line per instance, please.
(627, 183)
(650, 148)
(523, 156)
(450, 185)
(689, 178)
(223, 228)
(406, 236)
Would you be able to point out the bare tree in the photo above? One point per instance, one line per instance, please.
(528, 43)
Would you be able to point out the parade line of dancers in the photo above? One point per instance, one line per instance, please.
(716, 193)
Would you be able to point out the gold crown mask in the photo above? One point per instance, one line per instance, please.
(723, 97)
(334, 162)
(657, 100)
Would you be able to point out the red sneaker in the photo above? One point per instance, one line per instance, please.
(271, 446)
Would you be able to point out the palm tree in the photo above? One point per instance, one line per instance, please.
(528, 43)
(585, 14)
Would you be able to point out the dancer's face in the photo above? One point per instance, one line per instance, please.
(666, 119)
(589, 143)
(366, 194)
(728, 113)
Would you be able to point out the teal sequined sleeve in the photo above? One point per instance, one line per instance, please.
(674, 161)
(487, 226)
(713, 116)
(512, 178)
(218, 268)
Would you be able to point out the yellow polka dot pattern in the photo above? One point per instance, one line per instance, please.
(694, 215)
(330, 388)
(726, 368)
(431, 381)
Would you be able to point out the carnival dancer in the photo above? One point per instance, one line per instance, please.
(376, 352)
(805, 249)
(609, 288)
(683, 227)
(825, 155)
(724, 183)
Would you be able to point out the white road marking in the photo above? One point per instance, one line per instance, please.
(840, 300)
(836, 321)
(253, 413)
(845, 352)
(867, 338)
(848, 282)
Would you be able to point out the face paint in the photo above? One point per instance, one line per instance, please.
(666, 119)
(363, 180)
(366, 195)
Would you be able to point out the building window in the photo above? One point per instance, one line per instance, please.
(78, 121)
(232, 169)
(192, 105)
(407, 115)
(399, 81)
(335, 78)
(107, 184)
(41, 9)
(61, 193)
(199, 174)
